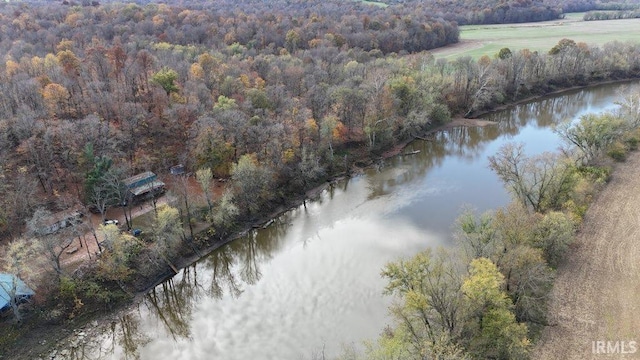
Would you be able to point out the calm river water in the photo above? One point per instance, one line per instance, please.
(311, 281)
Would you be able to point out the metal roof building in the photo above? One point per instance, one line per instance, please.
(143, 183)
(7, 283)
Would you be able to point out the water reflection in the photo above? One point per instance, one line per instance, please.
(172, 303)
(220, 262)
(311, 280)
(127, 334)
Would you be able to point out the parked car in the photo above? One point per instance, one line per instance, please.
(111, 222)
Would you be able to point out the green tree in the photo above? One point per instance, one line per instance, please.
(225, 103)
(504, 53)
(120, 249)
(212, 151)
(491, 324)
(429, 307)
(476, 234)
(166, 232)
(553, 234)
(405, 92)
(225, 211)
(100, 190)
(252, 183)
(592, 135)
(528, 282)
(511, 236)
(292, 41)
(166, 78)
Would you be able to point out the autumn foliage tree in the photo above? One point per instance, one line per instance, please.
(21, 262)
(252, 183)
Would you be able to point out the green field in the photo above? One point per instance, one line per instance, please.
(478, 40)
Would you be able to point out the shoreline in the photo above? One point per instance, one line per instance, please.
(549, 94)
(396, 150)
(67, 332)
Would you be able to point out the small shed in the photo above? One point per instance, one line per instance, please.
(9, 282)
(177, 170)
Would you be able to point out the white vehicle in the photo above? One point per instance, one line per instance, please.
(111, 222)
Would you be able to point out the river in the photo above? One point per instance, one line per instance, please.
(310, 283)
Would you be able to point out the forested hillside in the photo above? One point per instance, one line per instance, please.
(94, 89)
(150, 86)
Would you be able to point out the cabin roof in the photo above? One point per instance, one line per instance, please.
(156, 184)
(6, 284)
(132, 180)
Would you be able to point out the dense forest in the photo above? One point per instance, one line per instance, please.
(147, 87)
(271, 97)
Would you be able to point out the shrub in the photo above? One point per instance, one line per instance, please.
(617, 152)
(440, 114)
(631, 143)
(597, 174)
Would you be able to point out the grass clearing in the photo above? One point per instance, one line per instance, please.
(479, 40)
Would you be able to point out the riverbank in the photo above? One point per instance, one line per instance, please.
(42, 339)
(548, 95)
(318, 190)
(595, 296)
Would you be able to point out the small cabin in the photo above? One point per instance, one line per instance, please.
(59, 221)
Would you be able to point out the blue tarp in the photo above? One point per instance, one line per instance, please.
(7, 283)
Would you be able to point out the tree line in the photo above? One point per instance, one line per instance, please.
(589, 5)
(611, 15)
(476, 12)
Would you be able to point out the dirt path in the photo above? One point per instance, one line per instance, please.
(595, 306)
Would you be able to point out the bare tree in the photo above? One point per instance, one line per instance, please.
(185, 197)
(540, 182)
(118, 194)
(630, 108)
(47, 229)
(205, 178)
